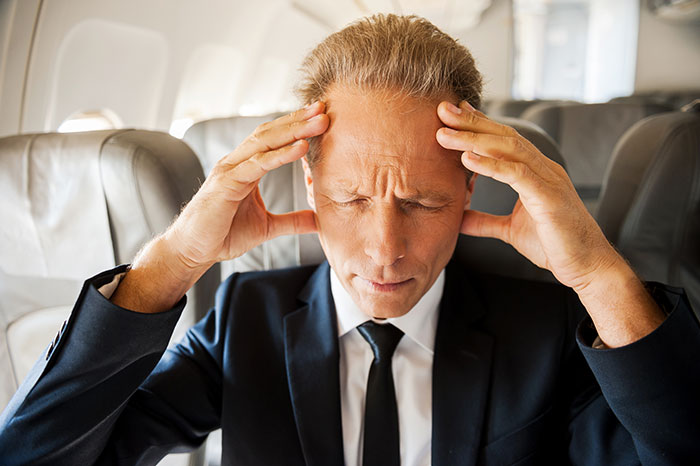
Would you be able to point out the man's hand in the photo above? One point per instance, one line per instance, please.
(227, 216)
(549, 224)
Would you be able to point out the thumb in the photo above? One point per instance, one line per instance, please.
(293, 223)
(475, 223)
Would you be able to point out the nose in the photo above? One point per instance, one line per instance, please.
(385, 237)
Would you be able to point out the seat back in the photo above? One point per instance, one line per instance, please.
(650, 203)
(675, 98)
(514, 108)
(212, 139)
(73, 205)
(587, 134)
(283, 190)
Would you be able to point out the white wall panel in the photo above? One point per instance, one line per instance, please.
(79, 63)
(106, 64)
(669, 54)
(490, 42)
(17, 18)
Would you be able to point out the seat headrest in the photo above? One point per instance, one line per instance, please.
(650, 205)
(587, 134)
(513, 107)
(212, 139)
(48, 182)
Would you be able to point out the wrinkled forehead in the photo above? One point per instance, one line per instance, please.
(384, 130)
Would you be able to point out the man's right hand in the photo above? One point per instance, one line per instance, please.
(226, 218)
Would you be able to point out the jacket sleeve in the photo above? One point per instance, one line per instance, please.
(652, 386)
(105, 392)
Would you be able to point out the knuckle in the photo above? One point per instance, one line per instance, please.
(559, 169)
(471, 118)
(521, 170)
(264, 126)
(258, 138)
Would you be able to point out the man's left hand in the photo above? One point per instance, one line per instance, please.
(549, 224)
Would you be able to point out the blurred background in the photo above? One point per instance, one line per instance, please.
(71, 65)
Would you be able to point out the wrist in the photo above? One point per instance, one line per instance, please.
(156, 280)
(621, 308)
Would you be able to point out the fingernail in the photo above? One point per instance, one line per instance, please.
(468, 105)
(316, 118)
(298, 142)
(449, 131)
(453, 108)
(311, 106)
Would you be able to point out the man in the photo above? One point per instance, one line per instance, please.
(388, 353)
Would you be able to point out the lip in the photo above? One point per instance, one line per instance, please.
(386, 287)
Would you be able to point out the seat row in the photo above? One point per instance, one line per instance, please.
(587, 133)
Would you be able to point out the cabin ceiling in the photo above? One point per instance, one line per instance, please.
(449, 15)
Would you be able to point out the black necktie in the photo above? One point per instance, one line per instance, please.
(381, 439)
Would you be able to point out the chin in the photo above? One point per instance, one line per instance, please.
(386, 309)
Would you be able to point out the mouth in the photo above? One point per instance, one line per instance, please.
(386, 287)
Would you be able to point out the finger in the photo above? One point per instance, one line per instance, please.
(463, 118)
(475, 223)
(276, 137)
(497, 147)
(517, 175)
(301, 114)
(255, 167)
(293, 223)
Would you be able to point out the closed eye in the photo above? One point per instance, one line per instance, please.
(419, 206)
(352, 202)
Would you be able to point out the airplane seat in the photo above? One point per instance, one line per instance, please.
(212, 139)
(513, 108)
(73, 205)
(586, 134)
(283, 191)
(650, 202)
(674, 98)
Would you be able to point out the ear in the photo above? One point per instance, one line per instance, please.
(308, 184)
(470, 191)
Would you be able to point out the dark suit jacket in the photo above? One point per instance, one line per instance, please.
(510, 385)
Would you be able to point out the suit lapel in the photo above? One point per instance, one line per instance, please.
(461, 374)
(312, 359)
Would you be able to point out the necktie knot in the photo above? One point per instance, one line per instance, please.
(382, 338)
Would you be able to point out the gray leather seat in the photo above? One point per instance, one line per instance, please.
(513, 107)
(74, 205)
(650, 203)
(283, 191)
(587, 134)
(676, 99)
(212, 139)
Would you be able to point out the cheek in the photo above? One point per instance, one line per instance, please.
(338, 230)
(433, 234)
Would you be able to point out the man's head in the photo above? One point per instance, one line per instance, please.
(389, 199)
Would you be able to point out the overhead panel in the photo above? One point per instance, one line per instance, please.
(452, 16)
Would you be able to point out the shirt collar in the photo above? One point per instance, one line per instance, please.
(420, 323)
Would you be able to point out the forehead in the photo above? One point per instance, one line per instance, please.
(384, 131)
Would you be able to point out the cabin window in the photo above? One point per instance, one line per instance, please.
(583, 50)
(93, 120)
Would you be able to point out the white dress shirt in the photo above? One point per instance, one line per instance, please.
(412, 368)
